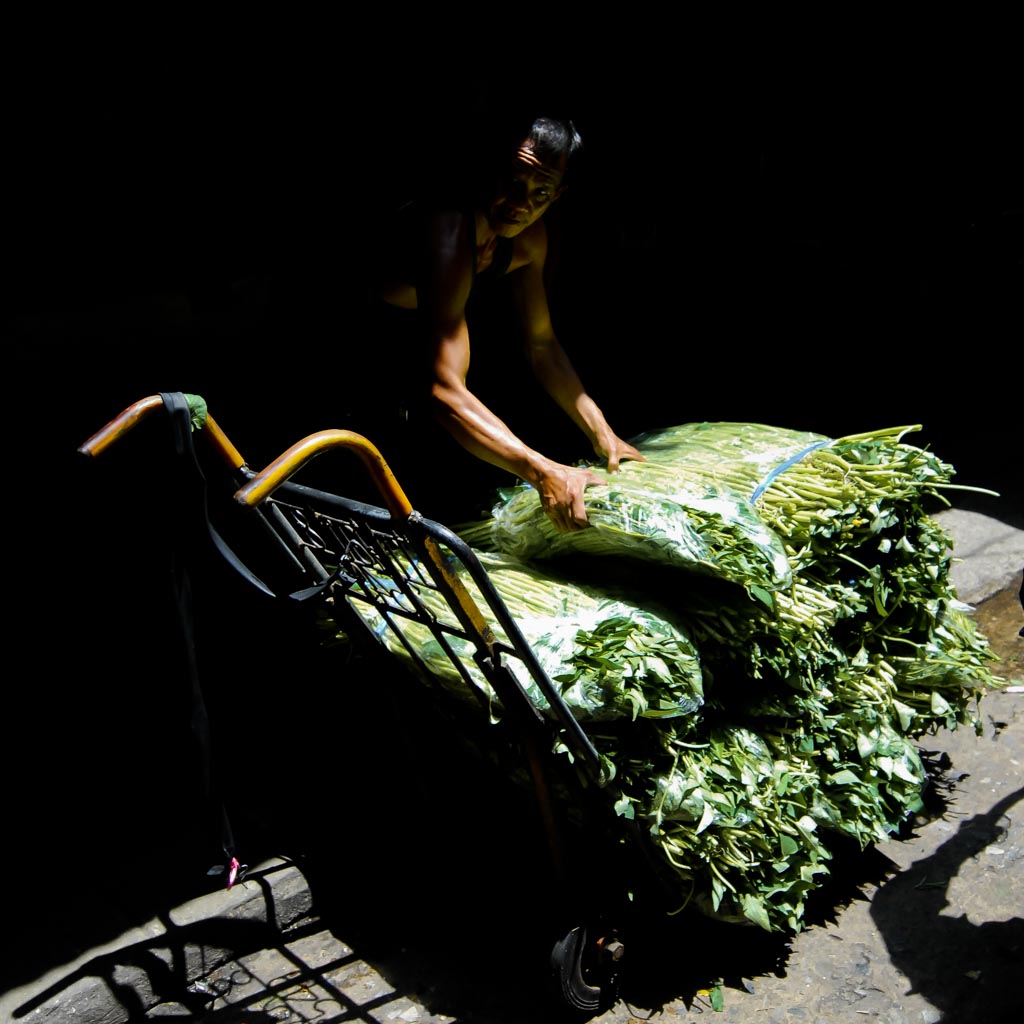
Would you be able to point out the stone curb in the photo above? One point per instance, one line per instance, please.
(988, 555)
(122, 979)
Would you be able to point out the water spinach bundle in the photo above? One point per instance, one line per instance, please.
(814, 585)
(609, 657)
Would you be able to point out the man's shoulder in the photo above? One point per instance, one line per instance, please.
(421, 213)
(435, 220)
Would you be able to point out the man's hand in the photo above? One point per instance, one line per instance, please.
(615, 450)
(561, 491)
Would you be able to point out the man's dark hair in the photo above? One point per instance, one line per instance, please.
(555, 138)
(507, 128)
(497, 135)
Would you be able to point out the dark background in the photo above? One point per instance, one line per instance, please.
(828, 248)
(821, 248)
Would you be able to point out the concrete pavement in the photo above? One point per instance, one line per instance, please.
(988, 555)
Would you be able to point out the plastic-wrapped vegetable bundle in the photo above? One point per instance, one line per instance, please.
(610, 657)
(871, 595)
(865, 565)
(668, 515)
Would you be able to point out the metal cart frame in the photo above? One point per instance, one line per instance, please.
(371, 568)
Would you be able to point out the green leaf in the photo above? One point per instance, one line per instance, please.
(716, 998)
(707, 818)
(754, 910)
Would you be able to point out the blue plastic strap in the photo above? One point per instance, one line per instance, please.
(783, 466)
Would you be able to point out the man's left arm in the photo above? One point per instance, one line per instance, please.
(550, 363)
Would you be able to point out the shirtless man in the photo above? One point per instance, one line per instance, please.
(456, 246)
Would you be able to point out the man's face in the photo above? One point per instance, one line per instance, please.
(525, 192)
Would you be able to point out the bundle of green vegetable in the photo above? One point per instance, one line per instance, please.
(819, 671)
(609, 657)
(645, 512)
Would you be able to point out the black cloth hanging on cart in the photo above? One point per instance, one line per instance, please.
(193, 531)
(189, 534)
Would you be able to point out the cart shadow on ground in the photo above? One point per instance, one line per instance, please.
(153, 968)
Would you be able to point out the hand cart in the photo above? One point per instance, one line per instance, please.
(383, 569)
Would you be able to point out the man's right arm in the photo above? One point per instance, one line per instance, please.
(443, 294)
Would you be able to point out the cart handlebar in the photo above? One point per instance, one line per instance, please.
(284, 466)
(262, 484)
(129, 418)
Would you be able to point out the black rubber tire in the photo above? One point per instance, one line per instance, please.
(573, 974)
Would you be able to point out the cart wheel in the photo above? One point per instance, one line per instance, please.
(585, 973)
